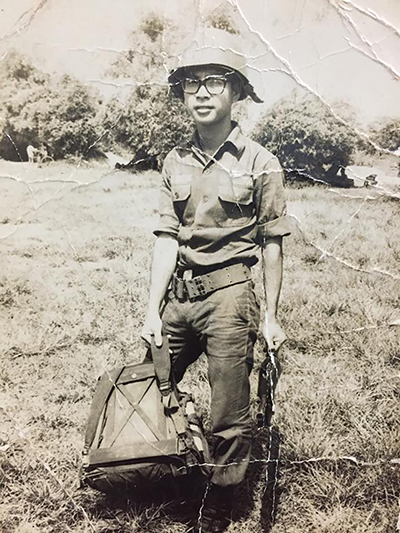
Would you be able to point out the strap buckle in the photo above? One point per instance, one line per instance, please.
(165, 387)
(179, 288)
(196, 288)
(199, 284)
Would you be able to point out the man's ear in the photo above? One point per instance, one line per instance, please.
(236, 94)
(236, 89)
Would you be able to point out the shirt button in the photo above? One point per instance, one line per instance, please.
(205, 199)
(176, 195)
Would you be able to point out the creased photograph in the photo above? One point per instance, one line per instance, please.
(199, 266)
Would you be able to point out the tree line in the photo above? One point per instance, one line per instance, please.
(69, 118)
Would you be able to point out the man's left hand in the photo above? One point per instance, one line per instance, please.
(273, 333)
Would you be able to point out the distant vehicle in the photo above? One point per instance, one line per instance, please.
(370, 181)
(140, 162)
(45, 159)
(43, 155)
(337, 177)
(38, 155)
(298, 176)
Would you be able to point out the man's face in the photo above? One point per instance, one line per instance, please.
(206, 108)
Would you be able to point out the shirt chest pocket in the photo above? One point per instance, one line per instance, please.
(181, 191)
(236, 193)
(236, 200)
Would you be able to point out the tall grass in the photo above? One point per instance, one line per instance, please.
(73, 287)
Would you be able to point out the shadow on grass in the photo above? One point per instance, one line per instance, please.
(261, 484)
(174, 502)
(271, 493)
(167, 503)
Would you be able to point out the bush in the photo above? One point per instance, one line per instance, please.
(305, 136)
(151, 121)
(386, 134)
(37, 110)
(70, 124)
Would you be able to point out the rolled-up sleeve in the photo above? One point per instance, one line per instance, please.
(272, 220)
(168, 221)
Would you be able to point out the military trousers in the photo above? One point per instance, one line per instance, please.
(224, 326)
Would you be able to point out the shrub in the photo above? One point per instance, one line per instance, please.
(70, 125)
(151, 121)
(387, 134)
(305, 136)
(38, 110)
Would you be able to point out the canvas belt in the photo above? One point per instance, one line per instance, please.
(198, 286)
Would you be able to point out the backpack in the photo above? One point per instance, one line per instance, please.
(141, 429)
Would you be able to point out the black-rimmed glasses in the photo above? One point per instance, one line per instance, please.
(214, 84)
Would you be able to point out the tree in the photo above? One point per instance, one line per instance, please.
(70, 124)
(306, 136)
(151, 121)
(23, 89)
(149, 49)
(386, 134)
(226, 16)
(222, 21)
(36, 109)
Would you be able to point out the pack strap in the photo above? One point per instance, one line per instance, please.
(174, 410)
(103, 390)
(162, 365)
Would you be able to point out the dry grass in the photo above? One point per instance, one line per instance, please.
(73, 284)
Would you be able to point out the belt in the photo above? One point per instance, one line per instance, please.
(190, 289)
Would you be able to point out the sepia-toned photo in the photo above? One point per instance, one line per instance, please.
(199, 266)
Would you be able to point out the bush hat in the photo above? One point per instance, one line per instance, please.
(213, 47)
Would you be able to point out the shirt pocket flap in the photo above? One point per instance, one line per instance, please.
(237, 193)
(180, 191)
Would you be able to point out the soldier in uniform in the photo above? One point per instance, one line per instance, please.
(221, 201)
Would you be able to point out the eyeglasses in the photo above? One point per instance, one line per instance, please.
(214, 84)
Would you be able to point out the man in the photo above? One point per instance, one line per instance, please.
(31, 152)
(221, 199)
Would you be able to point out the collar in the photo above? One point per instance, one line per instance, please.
(235, 140)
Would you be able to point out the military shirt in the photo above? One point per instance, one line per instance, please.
(220, 208)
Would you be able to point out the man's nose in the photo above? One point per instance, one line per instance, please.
(202, 92)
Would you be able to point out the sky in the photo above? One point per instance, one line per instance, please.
(334, 48)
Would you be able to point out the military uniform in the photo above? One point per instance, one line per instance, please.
(220, 209)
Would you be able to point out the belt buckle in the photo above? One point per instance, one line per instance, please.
(195, 288)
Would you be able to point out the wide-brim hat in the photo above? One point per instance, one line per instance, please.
(212, 46)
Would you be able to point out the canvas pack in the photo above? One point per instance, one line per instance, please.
(141, 430)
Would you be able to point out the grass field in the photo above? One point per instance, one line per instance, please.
(74, 270)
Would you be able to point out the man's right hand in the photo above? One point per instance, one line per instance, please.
(152, 327)
(163, 266)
